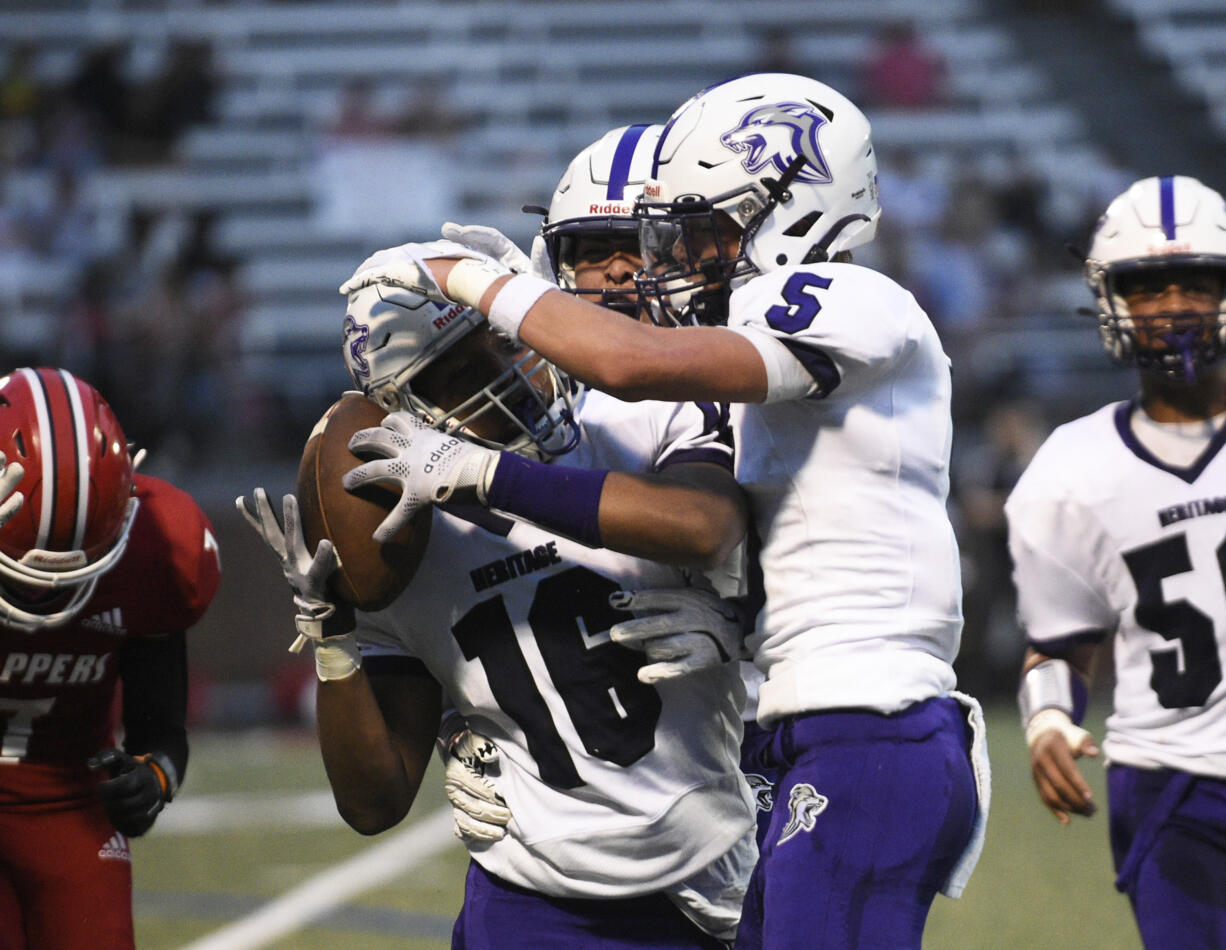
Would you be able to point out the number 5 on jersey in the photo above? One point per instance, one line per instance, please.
(802, 303)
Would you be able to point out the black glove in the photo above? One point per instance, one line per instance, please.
(135, 792)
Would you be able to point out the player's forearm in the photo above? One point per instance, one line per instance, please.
(371, 782)
(634, 361)
(153, 671)
(625, 358)
(1080, 658)
(670, 521)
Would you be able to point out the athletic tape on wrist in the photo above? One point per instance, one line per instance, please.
(1052, 684)
(337, 658)
(470, 279)
(1045, 720)
(562, 499)
(513, 301)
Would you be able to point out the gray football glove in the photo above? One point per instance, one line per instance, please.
(307, 574)
(688, 630)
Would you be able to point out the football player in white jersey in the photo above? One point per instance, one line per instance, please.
(589, 245)
(1117, 528)
(627, 814)
(760, 185)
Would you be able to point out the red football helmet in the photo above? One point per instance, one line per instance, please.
(78, 504)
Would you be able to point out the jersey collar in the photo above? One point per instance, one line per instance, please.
(1190, 473)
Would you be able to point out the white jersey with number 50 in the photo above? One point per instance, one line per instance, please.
(616, 788)
(1107, 539)
(847, 469)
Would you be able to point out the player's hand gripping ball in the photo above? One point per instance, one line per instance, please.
(370, 575)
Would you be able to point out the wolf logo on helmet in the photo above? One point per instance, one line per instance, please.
(785, 210)
(357, 335)
(774, 135)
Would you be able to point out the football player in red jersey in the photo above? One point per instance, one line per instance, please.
(101, 573)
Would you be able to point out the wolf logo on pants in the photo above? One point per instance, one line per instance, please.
(804, 805)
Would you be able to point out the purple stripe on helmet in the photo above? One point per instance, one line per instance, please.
(1166, 200)
(623, 155)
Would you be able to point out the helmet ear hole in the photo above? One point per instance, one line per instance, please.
(803, 226)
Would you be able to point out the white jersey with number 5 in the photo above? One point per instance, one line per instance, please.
(616, 788)
(1107, 539)
(847, 469)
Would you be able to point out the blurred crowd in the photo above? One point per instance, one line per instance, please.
(140, 300)
(135, 299)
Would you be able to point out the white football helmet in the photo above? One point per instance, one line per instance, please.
(391, 334)
(788, 160)
(1172, 222)
(595, 200)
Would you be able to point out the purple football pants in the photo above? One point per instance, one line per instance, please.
(1168, 838)
(499, 915)
(871, 814)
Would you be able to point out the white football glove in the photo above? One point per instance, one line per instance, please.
(11, 500)
(405, 266)
(539, 256)
(689, 630)
(426, 466)
(491, 242)
(481, 814)
(318, 618)
(497, 245)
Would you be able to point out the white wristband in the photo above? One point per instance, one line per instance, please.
(337, 658)
(516, 297)
(470, 279)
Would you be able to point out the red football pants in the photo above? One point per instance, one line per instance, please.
(65, 880)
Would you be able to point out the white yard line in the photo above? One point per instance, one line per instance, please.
(318, 896)
(206, 814)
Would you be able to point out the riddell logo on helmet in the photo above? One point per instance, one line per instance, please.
(652, 191)
(610, 209)
(55, 560)
(1170, 247)
(443, 319)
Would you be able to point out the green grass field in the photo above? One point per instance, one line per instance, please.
(1038, 885)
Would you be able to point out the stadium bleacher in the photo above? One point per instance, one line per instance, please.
(1191, 36)
(535, 81)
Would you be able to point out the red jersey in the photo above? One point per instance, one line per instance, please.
(57, 686)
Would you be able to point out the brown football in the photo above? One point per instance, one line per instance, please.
(370, 575)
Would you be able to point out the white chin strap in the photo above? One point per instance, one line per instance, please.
(25, 621)
(81, 581)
